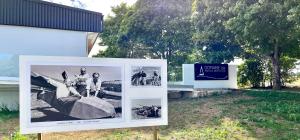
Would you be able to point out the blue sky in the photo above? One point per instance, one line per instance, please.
(4, 56)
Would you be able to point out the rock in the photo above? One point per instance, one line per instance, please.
(174, 94)
(92, 108)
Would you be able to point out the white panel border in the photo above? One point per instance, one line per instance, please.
(128, 93)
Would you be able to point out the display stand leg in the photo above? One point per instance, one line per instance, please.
(155, 133)
(40, 137)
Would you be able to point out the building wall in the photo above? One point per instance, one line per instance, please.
(9, 97)
(17, 40)
(188, 78)
(40, 41)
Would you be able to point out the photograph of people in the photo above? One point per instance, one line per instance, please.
(94, 85)
(60, 96)
(145, 109)
(145, 76)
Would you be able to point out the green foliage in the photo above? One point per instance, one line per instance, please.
(250, 72)
(264, 28)
(112, 51)
(287, 65)
(212, 39)
(5, 114)
(260, 71)
(150, 29)
(174, 74)
(207, 31)
(16, 136)
(260, 25)
(112, 36)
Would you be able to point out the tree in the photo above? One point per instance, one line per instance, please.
(287, 76)
(150, 29)
(263, 27)
(165, 28)
(251, 71)
(213, 41)
(112, 36)
(162, 25)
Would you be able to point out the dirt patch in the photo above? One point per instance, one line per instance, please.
(8, 127)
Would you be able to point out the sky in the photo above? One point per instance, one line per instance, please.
(102, 6)
(4, 57)
(107, 73)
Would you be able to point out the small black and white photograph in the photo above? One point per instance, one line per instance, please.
(145, 76)
(145, 109)
(64, 93)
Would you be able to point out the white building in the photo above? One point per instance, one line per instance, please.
(40, 28)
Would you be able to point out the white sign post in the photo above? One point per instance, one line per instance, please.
(60, 94)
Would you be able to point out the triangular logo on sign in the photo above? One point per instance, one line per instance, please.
(201, 71)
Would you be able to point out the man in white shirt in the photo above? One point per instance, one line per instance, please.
(94, 85)
(81, 81)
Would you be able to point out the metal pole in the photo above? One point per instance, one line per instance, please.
(40, 136)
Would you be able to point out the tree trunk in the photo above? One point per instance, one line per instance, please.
(276, 69)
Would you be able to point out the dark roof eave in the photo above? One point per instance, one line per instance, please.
(41, 14)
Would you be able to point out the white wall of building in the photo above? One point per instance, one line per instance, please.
(40, 41)
(188, 78)
(17, 40)
(9, 97)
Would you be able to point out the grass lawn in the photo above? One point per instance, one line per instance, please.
(248, 115)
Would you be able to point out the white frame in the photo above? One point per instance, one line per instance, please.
(26, 127)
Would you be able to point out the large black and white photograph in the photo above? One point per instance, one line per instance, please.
(145, 76)
(59, 94)
(145, 109)
(64, 93)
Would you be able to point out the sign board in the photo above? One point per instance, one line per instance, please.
(78, 93)
(211, 71)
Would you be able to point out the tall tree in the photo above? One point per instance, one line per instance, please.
(112, 36)
(263, 27)
(150, 29)
(213, 41)
(162, 25)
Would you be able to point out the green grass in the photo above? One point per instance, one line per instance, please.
(251, 115)
(269, 114)
(8, 120)
(5, 114)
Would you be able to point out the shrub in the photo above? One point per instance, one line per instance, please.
(251, 72)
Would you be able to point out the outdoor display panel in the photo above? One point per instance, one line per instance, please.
(77, 93)
(211, 71)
